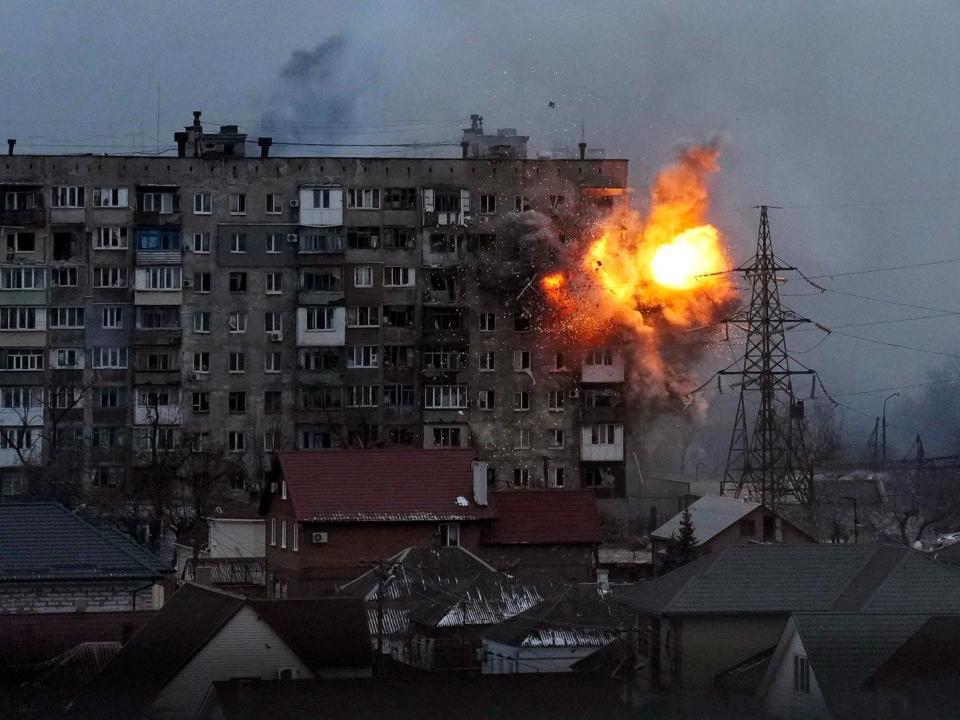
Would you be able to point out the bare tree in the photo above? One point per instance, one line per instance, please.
(922, 500)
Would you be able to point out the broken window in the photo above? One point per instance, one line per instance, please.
(400, 198)
(398, 315)
(398, 356)
(363, 238)
(319, 359)
(62, 246)
(443, 243)
(521, 322)
(322, 280)
(486, 400)
(400, 238)
(238, 282)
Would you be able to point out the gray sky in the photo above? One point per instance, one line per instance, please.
(825, 104)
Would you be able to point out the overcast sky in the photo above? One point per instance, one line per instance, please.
(852, 104)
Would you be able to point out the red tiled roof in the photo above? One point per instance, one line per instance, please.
(544, 517)
(382, 485)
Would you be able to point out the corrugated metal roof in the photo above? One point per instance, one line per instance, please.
(45, 541)
(711, 515)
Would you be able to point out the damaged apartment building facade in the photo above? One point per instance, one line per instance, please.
(261, 303)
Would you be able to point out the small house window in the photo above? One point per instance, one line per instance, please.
(450, 535)
(283, 534)
(273, 531)
(801, 674)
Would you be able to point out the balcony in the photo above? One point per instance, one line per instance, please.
(156, 218)
(23, 218)
(159, 257)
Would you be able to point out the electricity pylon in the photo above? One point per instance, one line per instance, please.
(767, 463)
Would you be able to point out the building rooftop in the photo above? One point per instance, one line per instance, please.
(382, 485)
(929, 655)
(711, 515)
(544, 517)
(783, 579)
(42, 541)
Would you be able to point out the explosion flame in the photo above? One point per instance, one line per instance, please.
(656, 277)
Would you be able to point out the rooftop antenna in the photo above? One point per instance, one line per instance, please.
(158, 118)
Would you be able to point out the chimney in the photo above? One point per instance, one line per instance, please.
(181, 140)
(479, 482)
(264, 144)
(583, 150)
(10, 143)
(196, 119)
(464, 147)
(476, 122)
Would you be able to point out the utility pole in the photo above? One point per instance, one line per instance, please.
(884, 454)
(386, 577)
(874, 442)
(767, 462)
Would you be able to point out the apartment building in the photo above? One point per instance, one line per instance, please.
(261, 303)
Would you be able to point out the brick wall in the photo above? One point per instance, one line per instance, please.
(73, 597)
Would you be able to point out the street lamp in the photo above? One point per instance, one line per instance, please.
(856, 519)
(884, 441)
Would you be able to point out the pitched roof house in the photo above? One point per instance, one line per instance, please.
(53, 561)
(203, 635)
(544, 531)
(722, 522)
(328, 513)
(724, 608)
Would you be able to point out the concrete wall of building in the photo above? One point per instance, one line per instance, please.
(573, 562)
(78, 597)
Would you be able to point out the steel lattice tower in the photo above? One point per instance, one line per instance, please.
(768, 464)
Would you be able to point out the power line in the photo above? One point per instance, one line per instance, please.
(884, 269)
(897, 387)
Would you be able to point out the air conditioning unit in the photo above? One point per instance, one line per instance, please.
(187, 284)
(318, 538)
(194, 377)
(292, 237)
(294, 203)
(574, 393)
(287, 673)
(276, 336)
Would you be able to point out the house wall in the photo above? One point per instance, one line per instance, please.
(245, 647)
(731, 537)
(573, 562)
(504, 659)
(236, 538)
(78, 597)
(699, 648)
(782, 701)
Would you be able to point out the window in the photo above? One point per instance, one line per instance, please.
(64, 276)
(158, 317)
(313, 240)
(556, 201)
(440, 397)
(238, 203)
(521, 203)
(108, 437)
(363, 316)
(110, 238)
(22, 200)
(158, 240)
(319, 359)
(283, 534)
(157, 361)
(21, 397)
(67, 196)
(521, 322)
(22, 359)
(237, 282)
(400, 198)
(108, 477)
(801, 674)
(110, 358)
(446, 436)
(321, 198)
(296, 536)
(556, 477)
(398, 395)
(66, 358)
(398, 316)
(163, 203)
(323, 280)
(237, 321)
(201, 362)
(236, 441)
(555, 400)
(273, 243)
(62, 245)
(201, 243)
(488, 203)
(320, 319)
(111, 318)
(363, 356)
(748, 528)
(604, 434)
(521, 400)
(522, 439)
(399, 277)
(160, 278)
(488, 322)
(111, 397)
(521, 359)
(22, 278)
(270, 441)
(442, 243)
(400, 238)
(272, 322)
(398, 356)
(109, 277)
(272, 362)
(65, 397)
(558, 365)
(363, 198)
(450, 535)
(238, 243)
(201, 402)
(274, 204)
(237, 362)
(362, 395)
(363, 238)
(110, 197)
(599, 357)
(273, 531)
(272, 401)
(320, 397)
(363, 276)
(556, 437)
(202, 203)
(59, 318)
(237, 401)
(486, 400)
(21, 242)
(201, 321)
(521, 477)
